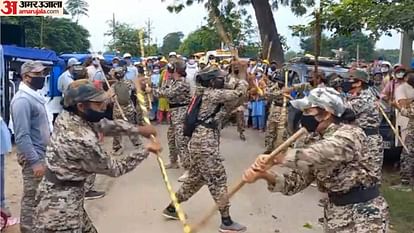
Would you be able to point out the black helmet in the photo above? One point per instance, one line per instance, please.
(206, 75)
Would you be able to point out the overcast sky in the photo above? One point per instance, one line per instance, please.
(137, 12)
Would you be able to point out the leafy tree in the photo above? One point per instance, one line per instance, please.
(125, 39)
(291, 54)
(59, 34)
(391, 55)
(171, 42)
(77, 8)
(203, 39)
(376, 16)
(347, 43)
(264, 16)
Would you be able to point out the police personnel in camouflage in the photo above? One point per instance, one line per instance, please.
(363, 103)
(206, 166)
(338, 163)
(74, 153)
(274, 95)
(178, 93)
(123, 89)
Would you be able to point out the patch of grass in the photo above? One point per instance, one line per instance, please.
(401, 204)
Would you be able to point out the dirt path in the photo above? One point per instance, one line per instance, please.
(134, 202)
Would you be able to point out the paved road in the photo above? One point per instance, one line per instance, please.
(134, 202)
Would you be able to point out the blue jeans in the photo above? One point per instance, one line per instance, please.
(2, 195)
(258, 122)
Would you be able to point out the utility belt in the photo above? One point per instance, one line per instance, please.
(210, 125)
(50, 176)
(177, 105)
(354, 196)
(371, 131)
(278, 104)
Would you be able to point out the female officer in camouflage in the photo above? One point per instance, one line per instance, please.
(363, 103)
(178, 94)
(338, 163)
(206, 163)
(75, 152)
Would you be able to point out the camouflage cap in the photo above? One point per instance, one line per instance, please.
(32, 67)
(359, 75)
(83, 91)
(326, 98)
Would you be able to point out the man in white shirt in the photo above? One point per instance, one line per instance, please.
(132, 71)
(95, 71)
(66, 78)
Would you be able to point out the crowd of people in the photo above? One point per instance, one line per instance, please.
(342, 154)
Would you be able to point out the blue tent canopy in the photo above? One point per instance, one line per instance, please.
(29, 53)
(81, 57)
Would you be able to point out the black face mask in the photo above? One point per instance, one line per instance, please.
(273, 68)
(346, 86)
(109, 112)
(37, 82)
(236, 72)
(310, 123)
(94, 116)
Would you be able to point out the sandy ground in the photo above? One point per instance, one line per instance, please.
(134, 201)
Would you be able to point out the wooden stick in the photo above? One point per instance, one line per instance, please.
(141, 42)
(116, 101)
(269, 50)
(241, 183)
(393, 129)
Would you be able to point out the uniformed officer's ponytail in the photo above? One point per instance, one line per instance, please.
(347, 117)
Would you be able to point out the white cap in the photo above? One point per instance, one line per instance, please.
(73, 61)
(137, 63)
(172, 54)
(127, 55)
(326, 98)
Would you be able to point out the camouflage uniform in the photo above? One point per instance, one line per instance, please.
(275, 96)
(178, 93)
(338, 163)
(407, 159)
(206, 165)
(73, 154)
(368, 118)
(130, 115)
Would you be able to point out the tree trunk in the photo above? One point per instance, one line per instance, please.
(268, 31)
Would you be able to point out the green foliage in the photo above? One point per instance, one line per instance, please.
(348, 43)
(125, 39)
(291, 54)
(77, 8)
(391, 55)
(237, 27)
(203, 39)
(376, 16)
(401, 203)
(298, 7)
(59, 34)
(171, 42)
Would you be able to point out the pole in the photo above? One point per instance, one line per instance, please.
(357, 55)
(241, 183)
(397, 135)
(141, 42)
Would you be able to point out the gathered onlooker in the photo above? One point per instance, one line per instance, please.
(32, 132)
(132, 71)
(95, 71)
(66, 78)
(5, 148)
